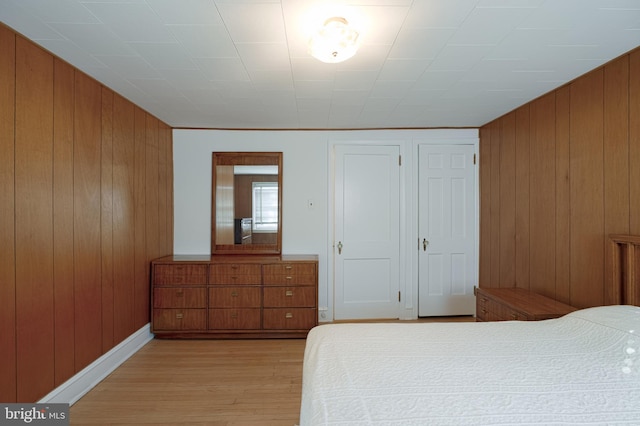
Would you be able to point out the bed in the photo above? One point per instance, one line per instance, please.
(580, 369)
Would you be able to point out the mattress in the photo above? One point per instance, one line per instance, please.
(580, 369)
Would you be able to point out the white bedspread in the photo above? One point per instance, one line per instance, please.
(581, 369)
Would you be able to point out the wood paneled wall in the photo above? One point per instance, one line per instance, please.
(557, 176)
(86, 202)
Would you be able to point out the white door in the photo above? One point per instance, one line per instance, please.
(367, 232)
(446, 223)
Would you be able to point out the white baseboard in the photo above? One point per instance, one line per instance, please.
(77, 386)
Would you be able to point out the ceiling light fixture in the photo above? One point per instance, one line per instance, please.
(334, 42)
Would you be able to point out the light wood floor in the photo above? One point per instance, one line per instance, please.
(202, 382)
(206, 382)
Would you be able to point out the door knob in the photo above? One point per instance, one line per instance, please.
(339, 247)
(425, 243)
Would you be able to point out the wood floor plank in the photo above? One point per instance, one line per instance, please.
(213, 382)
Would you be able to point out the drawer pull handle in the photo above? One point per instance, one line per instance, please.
(234, 315)
(288, 293)
(288, 267)
(234, 277)
(179, 316)
(234, 266)
(288, 278)
(288, 315)
(179, 293)
(234, 294)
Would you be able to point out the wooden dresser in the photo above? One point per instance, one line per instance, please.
(234, 296)
(507, 304)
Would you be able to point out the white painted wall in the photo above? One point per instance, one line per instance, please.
(306, 176)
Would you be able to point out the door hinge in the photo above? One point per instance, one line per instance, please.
(399, 160)
(399, 297)
(474, 159)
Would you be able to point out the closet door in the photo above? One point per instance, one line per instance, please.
(447, 229)
(367, 231)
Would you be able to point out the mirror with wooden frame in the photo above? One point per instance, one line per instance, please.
(246, 208)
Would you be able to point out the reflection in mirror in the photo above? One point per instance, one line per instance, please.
(246, 203)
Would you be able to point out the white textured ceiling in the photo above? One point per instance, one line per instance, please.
(244, 64)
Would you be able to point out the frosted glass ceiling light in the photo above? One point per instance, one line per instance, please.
(334, 42)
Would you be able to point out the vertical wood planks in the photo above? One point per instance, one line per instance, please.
(106, 217)
(63, 91)
(634, 141)
(616, 147)
(169, 189)
(575, 184)
(542, 195)
(495, 205)
(141, 281)
(508, 200)
(152, 189)
(87, 229)
(163, 184)
(484, 278)
(587, 191)
(33, 220)
(616, 156)
(7, 217)
(123, 219)
(563, 196)
(68, 218)
(522, 243)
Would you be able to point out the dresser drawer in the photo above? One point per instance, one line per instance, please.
(235, 274)
(235, 269)
(510, 314)
(289, 318)
(289, 280)
(179, 274)
(280, 297)
(497, 311)
(234, 297)
(485, 304)
(288, 274)
(177, 297)
(290, 268)
(234, 319)
(492, 311)
(179, 319)
(236, 280)
(487, 316)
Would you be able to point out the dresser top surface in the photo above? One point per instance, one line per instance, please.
(206, 258)
(533, 302)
